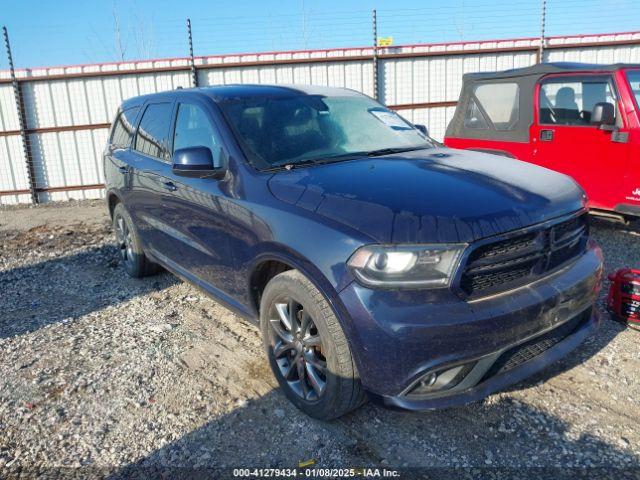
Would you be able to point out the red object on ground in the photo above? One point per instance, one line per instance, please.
(624, 296)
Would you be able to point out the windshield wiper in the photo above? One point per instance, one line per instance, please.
(288, 164)
(388, 151)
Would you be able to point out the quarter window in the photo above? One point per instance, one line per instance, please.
(153, 132)
(474, 118)
(123, 128)
(500, 102)
(193, 129)
(571, 101)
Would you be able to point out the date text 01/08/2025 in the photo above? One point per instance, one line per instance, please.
(316, 472)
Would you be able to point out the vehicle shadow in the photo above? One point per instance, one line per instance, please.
(497, 439)
(76, 285)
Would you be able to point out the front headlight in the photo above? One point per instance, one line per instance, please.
(409, 266)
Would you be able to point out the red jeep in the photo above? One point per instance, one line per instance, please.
(579, 119)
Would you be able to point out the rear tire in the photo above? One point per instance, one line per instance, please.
(307, 349)
(135, 262)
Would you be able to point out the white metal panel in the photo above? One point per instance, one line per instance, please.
(13, 170)
(319, 74)
(233, 75)
(267, 75)
(284, 74)
(453, 79)
(302, 74)
(128, 86)
(212, 77)
(98, 102)
(435, 119)
(437, 74)
(8, 112)
(250, 75)
(630, 54)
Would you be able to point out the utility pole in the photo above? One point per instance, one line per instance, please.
(17, 93)
(375, 55)
(194, 74)
(542, 35)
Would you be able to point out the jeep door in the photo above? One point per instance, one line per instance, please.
(565, 139)
(629, 80)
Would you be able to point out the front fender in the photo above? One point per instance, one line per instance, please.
(271, 251)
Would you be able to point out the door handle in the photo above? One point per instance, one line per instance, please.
(546, 135)
(169, 186)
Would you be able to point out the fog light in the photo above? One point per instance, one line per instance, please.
(441, 380)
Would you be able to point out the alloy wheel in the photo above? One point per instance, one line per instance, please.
(297, 348)
(125, 242)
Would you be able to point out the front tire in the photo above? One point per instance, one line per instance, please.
(135, 262)
(307, 349)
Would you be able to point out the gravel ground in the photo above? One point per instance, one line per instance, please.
(101, 371)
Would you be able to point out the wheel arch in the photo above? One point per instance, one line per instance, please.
(113, 199)
(269, 264)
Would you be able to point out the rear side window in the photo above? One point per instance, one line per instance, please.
(153, 132)
(499, 103)
(474, 118)
(193, 129)
(570, 101)
(123, 128)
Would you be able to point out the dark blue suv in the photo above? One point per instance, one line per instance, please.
(376, 261)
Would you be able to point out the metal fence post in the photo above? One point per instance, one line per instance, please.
(194, 74)
(375, 55)
(542, 35)
(22, 120)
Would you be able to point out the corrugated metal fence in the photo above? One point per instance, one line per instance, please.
(68, 109)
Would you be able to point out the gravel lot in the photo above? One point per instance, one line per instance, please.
(105, 372)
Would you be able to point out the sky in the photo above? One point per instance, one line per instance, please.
(65, 32)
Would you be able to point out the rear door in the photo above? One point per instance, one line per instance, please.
(117, 156)
(565, 140)
(150, 168)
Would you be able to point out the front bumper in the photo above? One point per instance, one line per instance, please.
(398, 336)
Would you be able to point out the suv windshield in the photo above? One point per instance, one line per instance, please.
(633, 76)
(317, 129)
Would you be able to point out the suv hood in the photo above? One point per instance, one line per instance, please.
(431, 195)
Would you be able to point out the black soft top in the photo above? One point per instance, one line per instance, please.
(526, 78)
(541, 69)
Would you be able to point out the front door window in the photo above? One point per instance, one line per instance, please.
(570, 101)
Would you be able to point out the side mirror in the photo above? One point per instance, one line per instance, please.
(422, 128)
(198, 162)
(604, 115)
